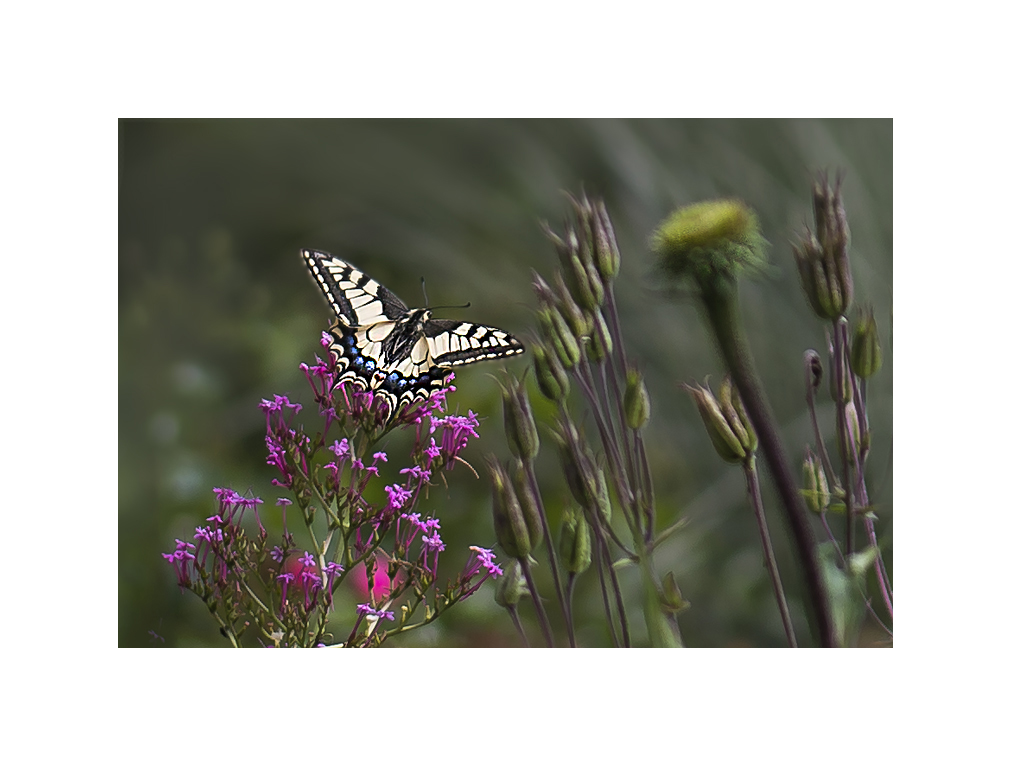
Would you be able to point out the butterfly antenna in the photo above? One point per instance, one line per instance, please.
(423, 291)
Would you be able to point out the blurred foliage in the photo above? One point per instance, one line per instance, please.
(217, 310)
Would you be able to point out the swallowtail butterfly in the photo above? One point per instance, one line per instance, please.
(381, 345)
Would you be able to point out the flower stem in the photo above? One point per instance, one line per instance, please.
(751, 474)
(542, 616)
(719, 300)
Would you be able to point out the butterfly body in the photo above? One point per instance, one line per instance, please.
(381, 345)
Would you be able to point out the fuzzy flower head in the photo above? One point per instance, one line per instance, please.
(709, 241)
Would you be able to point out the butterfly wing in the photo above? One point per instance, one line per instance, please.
(356, 298)
(454, 343)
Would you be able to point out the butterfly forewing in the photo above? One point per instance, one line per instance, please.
(356, 298)
(381, 345)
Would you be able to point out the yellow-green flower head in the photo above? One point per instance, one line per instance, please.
(709, 240)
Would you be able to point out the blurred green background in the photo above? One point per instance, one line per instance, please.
(217, 310)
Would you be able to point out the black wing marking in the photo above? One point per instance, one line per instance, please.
(454, 343)
(356, 298)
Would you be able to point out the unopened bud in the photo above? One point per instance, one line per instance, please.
(551, 376)
(865, 349)
(600, 345)
(671, 600)
(511, 586)
(583, 280)
(521, 431)
(737, 417)
(854, 433)
(845, 393)
(817, 493)
(574, 547)
(578, 467)
(636, 400)
(526, 494)
(574, 316)
(555, 330)
(608, 259)
(725, 440)
(507, 516)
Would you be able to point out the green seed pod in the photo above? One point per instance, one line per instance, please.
(555, 329)
(507, 516)
(584, 282)
(601, 496)
(728, 445)
(737, 417)
(605, 246)
(823, 255)
(511, 586)
(817, 493)
(574, 316)
(636, 400)
(574, 548)
(854, 434)
(575, 465)
(521, 431)
(865, 350)
(834, 236)
(526, 494)
(551, 376)
(600, 345)
(846, 394)
(581, 277)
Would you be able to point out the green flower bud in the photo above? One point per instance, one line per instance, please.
(507, 516)
(574, 547)
(636, 400)
(854, 433)
(725, 440)
(671, 600)
(526, 494)
(600, 345)
(737, 417)
(712, 239)
(605, 246)
(574, 316)
(511, 586)
(570, 456)
(521, 431)
(583, 280)
(585, 479)
(550, 374)
(847, 390)
(556, 330)
(817, 493)
(865, 350)
(601, 497)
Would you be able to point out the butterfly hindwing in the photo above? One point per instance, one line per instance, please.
(381, 345)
